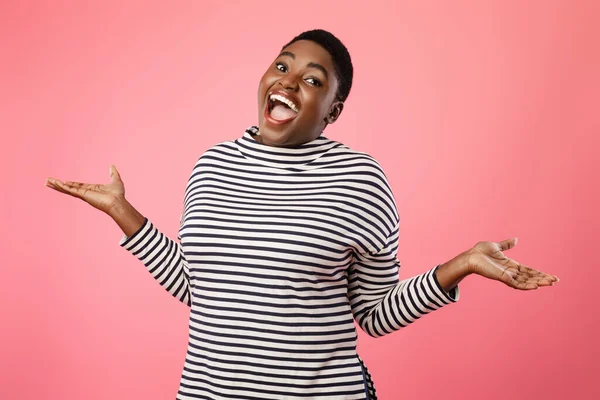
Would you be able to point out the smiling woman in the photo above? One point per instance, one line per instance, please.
(304, 89)
(287, 238)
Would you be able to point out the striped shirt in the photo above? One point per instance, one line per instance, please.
(280, 250)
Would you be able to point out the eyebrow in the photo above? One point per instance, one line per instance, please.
(309, 65)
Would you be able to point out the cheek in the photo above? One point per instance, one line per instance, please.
(315, 108)
(265, 83)
(267, 80)
(261, 85)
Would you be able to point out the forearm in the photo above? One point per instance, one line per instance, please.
(127, 217)
(380, 312)
(163, 257)
(450, 273)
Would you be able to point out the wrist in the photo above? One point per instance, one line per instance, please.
(467, 259)
(463, 260)
(450, 273)
(127, 217)
(119, 208)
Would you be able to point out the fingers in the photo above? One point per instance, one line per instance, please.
(538, 275)
(508, 244)
(512, 277)
(527, 286)
(59, 186)
(80, 185)
(114, 174)
(521, 281)
(526, 278)
(52, 183)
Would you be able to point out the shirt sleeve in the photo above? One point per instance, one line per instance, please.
(381, 304)
(163, 257)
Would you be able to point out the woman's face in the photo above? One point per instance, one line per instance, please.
(304, 76)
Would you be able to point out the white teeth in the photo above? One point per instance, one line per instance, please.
(284, 100)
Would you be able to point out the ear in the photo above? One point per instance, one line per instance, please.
(334, 112)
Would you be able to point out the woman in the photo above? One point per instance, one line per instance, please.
(287, 237)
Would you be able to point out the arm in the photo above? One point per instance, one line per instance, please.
(163, 257)
(450, 273)
(381, 304)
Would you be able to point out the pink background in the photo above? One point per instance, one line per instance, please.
(484, 115)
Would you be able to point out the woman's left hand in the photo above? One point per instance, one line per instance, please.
(486, 259)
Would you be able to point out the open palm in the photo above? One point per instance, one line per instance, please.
(102, 197)
(487, 259)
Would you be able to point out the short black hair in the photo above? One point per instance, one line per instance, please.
(339, 53)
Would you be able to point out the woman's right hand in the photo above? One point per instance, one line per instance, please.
(103, 197)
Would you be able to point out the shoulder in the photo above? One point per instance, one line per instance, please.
(214, 158)
(362, 165)
(367, 161)
(219, 154)
(225, 147)
(372, 190)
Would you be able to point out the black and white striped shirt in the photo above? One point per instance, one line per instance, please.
(280, 250)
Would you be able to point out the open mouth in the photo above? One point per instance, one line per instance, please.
(280, 109)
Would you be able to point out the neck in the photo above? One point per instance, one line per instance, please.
(261, 139)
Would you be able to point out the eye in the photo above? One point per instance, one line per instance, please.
(278, 64)
(316, 82)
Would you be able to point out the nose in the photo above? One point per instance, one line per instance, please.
(289, 82)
